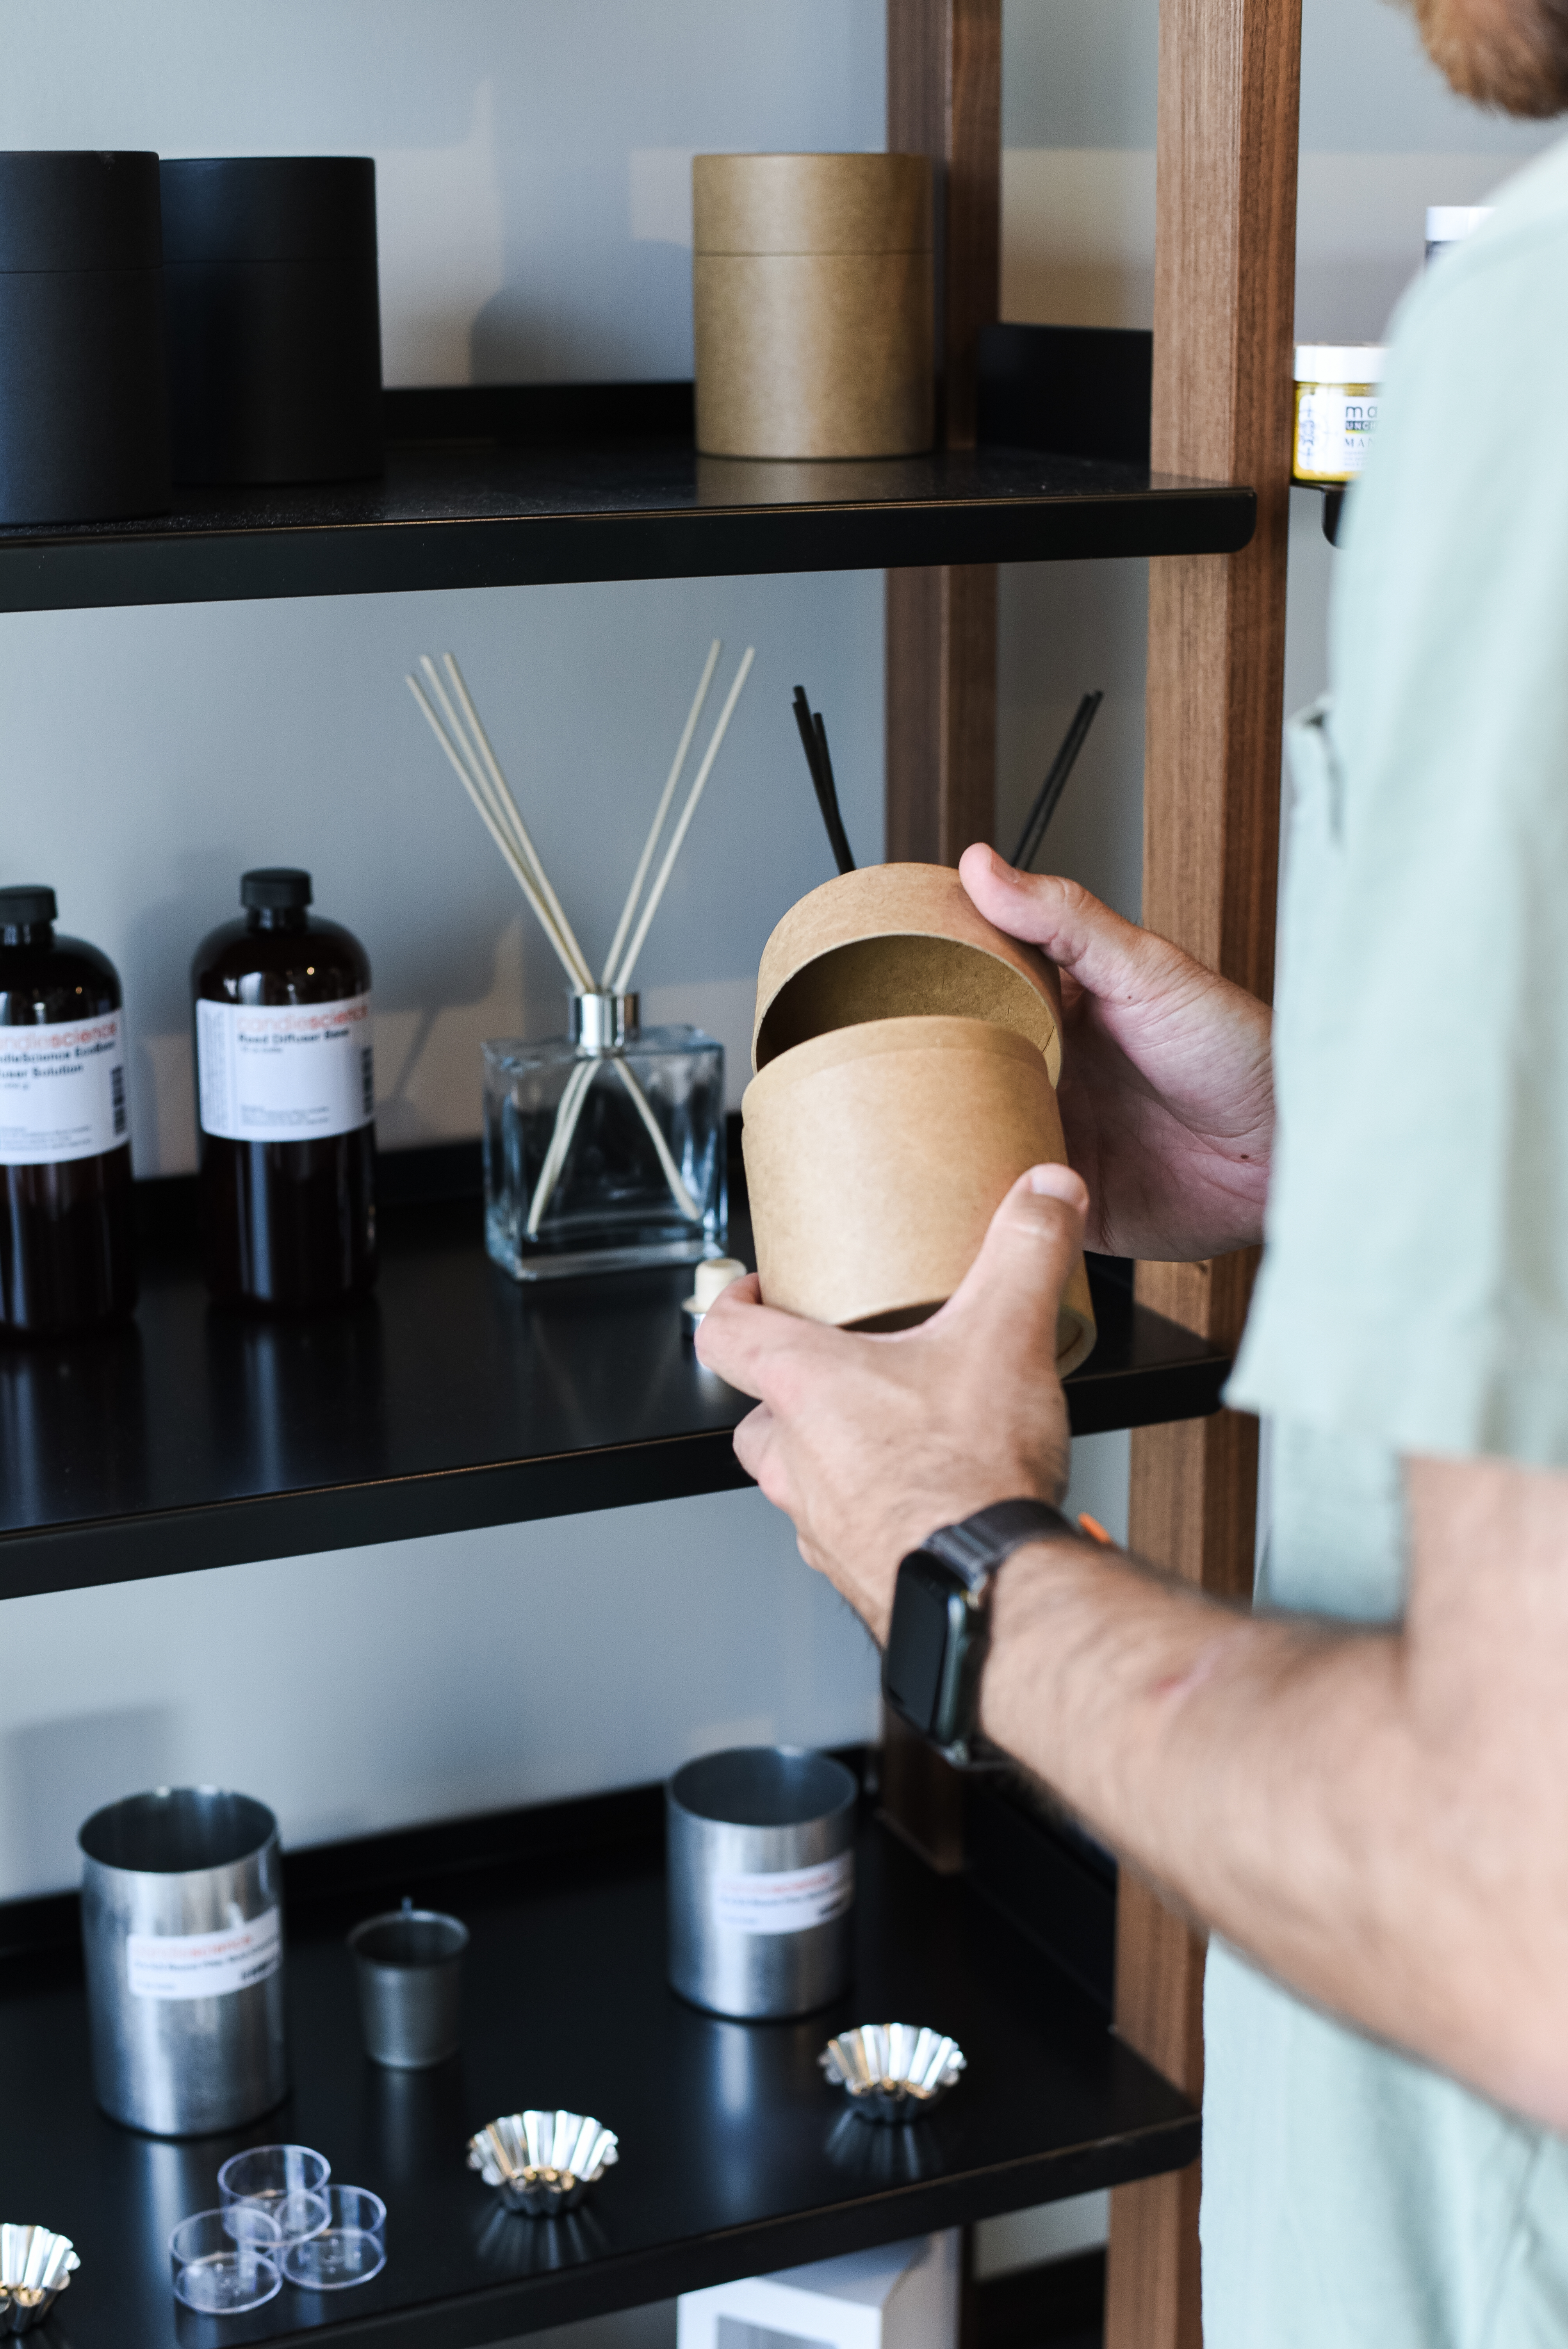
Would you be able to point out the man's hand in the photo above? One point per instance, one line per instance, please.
(1167, 1093)
(871, 1443)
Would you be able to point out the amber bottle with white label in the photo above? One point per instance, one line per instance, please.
(287, 1103)
(66, 1251)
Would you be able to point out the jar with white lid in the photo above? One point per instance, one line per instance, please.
(1336, 386)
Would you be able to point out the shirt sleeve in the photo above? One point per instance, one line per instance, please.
(1415, 1284)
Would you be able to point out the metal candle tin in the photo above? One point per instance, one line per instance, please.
(762, 1881)
(183, 1926)
(84, 409)
(409, 1962)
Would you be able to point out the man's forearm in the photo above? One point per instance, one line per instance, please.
(1274, 1777)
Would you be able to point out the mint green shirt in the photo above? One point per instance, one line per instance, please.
(1414, 1296)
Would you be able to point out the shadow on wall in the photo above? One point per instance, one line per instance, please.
(55, 1774)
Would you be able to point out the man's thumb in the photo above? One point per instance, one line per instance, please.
(1028, 1254)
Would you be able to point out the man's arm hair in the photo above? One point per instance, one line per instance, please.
(1380, 1819)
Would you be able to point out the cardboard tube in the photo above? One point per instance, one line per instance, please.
(893, 940)
(813, 305)
(875, 1158)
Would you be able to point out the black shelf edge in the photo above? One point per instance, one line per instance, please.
(510, 486)
(452, 1400)
(773, 2175)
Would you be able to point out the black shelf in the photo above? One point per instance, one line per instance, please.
(196, 1438)
(506, 487)
(735, 2156)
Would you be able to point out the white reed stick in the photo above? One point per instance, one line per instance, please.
(521, 855)
(622, 977)
(646, 858)
(501, 786)
(667, 1167)
(519, 870)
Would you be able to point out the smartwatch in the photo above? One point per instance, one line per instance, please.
(941, 1625)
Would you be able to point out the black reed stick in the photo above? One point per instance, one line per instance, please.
(1056, 783)
(814, 742)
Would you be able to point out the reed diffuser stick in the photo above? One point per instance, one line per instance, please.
(623, 977)
(499, 784)
(519, 870)
(1056, 782)
(667, 795)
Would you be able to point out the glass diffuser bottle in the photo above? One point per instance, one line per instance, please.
(604, 1149)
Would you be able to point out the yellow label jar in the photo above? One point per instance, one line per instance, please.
(1335, 409)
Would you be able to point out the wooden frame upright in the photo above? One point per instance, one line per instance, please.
(1224, 284)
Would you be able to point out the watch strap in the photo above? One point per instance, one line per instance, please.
(976, 1545)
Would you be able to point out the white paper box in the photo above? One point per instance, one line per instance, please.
(899, 2296)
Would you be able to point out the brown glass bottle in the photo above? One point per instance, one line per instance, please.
(288, 1144)
(67, 1258)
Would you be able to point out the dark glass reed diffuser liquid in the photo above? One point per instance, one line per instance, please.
(287, 1102)
(67, 1257)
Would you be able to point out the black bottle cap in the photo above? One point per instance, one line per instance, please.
(23, 906)
(275, 888)
(79, 209)
(269, 208)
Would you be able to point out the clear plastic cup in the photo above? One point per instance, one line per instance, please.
(226, 2260)
(351, 2248)
(286, 2181)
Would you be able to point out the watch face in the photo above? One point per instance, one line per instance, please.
(926, 1644)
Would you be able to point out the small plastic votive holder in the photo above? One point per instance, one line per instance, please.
(286, 2181)
(350, 2249)
(225, 2262)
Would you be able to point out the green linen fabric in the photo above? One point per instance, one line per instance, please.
(1414, 1294)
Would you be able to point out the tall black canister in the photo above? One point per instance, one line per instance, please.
(84, 414)
(275, 321)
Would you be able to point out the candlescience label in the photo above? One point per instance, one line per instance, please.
(62, 1090)
(205, 1965)
(787, 1901)
(277, 1073)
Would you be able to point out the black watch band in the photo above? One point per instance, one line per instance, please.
(941, 1624)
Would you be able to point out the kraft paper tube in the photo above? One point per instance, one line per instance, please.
(893, 939)
(812, 305)
(876, 1156)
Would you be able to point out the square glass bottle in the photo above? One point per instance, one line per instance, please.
(605, 1148)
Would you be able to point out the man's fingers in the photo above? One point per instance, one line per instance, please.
(755, 1347)
(758, 1453)
(1022, 1268)
(1106, 956)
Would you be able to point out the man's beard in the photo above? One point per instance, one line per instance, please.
(1511, 55)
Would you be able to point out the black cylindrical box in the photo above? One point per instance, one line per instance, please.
(275, 320)
(84, 416)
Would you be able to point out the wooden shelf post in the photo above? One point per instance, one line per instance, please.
(1224, 298)
(945, 100)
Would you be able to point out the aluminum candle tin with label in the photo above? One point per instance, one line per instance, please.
(183, 1926)
(762, 1881)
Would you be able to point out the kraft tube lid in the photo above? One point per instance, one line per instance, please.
(1339, 362)
(269, 208)
(70, 209)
